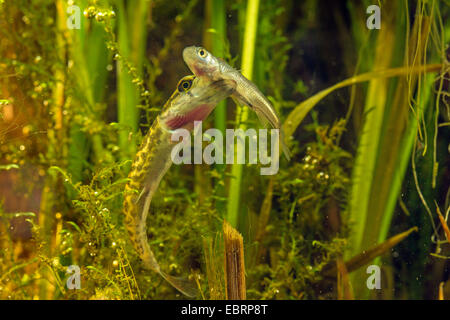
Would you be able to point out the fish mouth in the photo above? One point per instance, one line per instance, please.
(189, 51)
(188, 54)
(199, 113)
(199, 104)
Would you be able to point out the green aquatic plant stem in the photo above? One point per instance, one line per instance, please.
(131, 44)
(248, 53)
(127, 93)
(396, 152)
(214, 39)
(404, 156)
(88, 51)
(369, 141)
(218, 23)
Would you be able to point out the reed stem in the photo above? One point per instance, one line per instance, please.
(234, 263)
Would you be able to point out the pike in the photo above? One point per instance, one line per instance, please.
(191, 101)
(210, 68)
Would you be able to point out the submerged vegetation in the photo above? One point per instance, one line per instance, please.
(365, 114)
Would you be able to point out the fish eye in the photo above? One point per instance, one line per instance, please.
(184, 85)
(202, 52)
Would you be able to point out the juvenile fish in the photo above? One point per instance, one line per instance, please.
(190, 102)
(209, 68)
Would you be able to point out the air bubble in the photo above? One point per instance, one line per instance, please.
(99, 16)
(26, 20)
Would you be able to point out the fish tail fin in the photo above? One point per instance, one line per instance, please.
(267, 118)
(185, 286)
(262, 118)
(265, 122)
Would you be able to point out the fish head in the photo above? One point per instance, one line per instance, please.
(193, 100)
(201, 62)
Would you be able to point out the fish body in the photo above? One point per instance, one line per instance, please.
(210, 68)
(191, 101)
